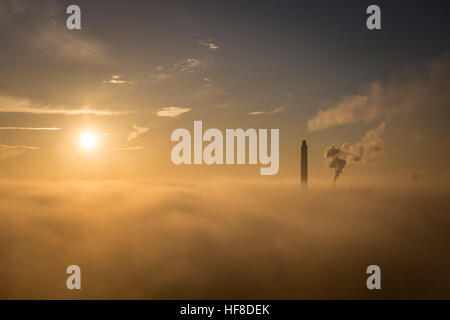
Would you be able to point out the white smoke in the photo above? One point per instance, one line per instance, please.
(414, 89)
(364, 151)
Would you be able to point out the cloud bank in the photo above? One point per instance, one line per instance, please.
(146, 240)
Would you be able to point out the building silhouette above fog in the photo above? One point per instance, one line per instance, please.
(304, 164)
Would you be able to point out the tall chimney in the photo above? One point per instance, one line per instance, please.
(304, 164)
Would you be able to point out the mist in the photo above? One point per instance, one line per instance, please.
(231, 239)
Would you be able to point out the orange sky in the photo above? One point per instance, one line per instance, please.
(135, 82)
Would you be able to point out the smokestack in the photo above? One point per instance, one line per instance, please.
(304, 164)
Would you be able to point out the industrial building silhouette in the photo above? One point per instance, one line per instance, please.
(304, 164)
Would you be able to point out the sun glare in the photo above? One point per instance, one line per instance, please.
(88, 140)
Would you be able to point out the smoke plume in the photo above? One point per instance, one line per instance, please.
(410, 90)
(364, 151)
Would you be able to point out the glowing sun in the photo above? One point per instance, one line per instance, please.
(88, 140)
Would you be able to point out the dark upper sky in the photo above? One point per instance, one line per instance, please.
(294, 41)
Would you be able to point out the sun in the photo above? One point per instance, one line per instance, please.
(88, 140)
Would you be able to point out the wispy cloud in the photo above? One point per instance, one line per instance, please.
(64, 111)
(30, 128)
(117, 79)
(161, 76)
(190, 65)
(208, 44)
(172, 111)
(256, 113)
(207, 82)
(278, 109)
(24, 105)
(7, 147)
(136, 132)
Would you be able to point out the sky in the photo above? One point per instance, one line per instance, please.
(86, 176)
(161, 65)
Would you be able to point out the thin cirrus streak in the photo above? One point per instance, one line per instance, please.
(256, 113)
(10, 104)
(64, 111)
(30, 128)
(8, 147)
(278, 109)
